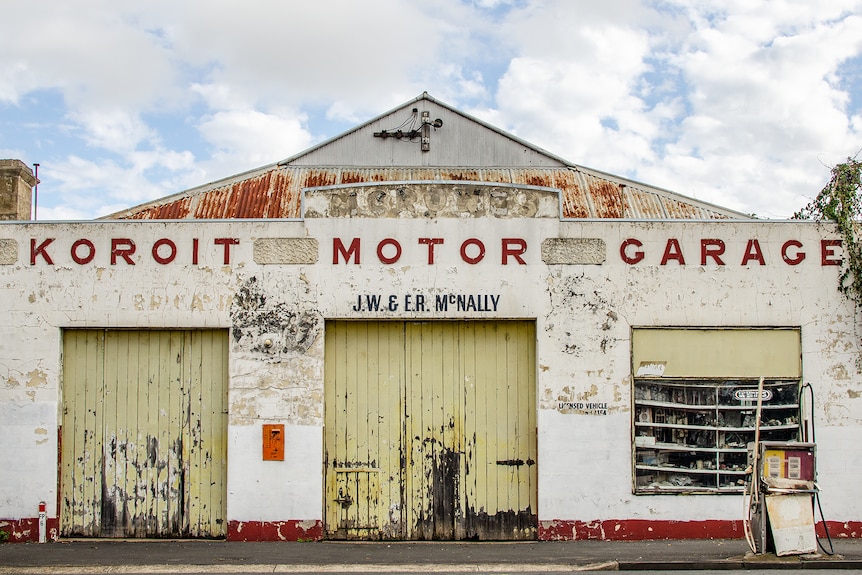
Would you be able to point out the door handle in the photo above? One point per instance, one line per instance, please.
(345, 500)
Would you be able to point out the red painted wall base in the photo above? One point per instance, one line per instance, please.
(294, 530)
(642, 529)
(638, 530)
(27, 530)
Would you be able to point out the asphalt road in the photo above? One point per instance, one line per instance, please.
(96, 557)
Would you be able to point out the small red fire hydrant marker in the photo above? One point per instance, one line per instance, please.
(43, 522)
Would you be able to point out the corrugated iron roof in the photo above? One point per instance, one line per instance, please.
(276, 192)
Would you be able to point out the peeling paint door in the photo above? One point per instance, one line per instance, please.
(442, 416)
(144, 433)
(364, 374)
(471, 430)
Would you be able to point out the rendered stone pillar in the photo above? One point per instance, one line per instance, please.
(16, 190)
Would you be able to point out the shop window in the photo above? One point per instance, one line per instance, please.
(695, 404)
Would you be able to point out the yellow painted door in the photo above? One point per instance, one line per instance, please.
(442, 414)
(144, 433)
(363, 377)
(499, 375)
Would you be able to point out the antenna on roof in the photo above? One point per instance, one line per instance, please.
(36, 191)
(411, 132)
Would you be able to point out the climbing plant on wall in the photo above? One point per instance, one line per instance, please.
(840, 201)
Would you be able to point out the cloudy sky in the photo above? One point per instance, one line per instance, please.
(742, 103)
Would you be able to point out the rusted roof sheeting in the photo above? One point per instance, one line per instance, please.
(276, 192)
(268, 195)
(678, 210)
(574, 197)
(364, 175)
(176, 210)
(605, 197)
(643, 205)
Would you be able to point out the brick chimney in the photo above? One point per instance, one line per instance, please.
(16, 189)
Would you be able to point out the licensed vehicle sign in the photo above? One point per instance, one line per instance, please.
(751, 394)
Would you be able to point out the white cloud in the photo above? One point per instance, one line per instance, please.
(248, 138)
(87, 187)
(765, 110)
(731, 101)
(114, 130)
(574, 89)
(735, 103)
(95, 54)
(299, 53)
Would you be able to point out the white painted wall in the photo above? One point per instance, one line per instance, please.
(584, 315)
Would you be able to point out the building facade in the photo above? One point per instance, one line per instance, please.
(422, 329)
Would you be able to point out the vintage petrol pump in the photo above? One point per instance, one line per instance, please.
(781, 491)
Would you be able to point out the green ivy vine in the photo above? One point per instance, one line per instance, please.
(840, 201)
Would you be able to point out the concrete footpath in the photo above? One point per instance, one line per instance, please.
(155, 556)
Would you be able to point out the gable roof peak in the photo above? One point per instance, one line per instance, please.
(409, 144)
(425, 132)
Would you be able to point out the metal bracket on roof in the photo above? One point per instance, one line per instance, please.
(411, 132)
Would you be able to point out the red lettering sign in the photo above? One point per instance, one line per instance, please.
(40, 250)
(227, 243)
(431, 242)
(122, 248)
(77, 258)
(752, 252)
(791, 252)
(479, 256)
(514, 247)
(390, 250)
(195, 243)
(635, 257)
(672, 251)
(792, 260)
(827, 252)
(388, 242)
(172, 251)
(711, 249)
(164, 250)
(338, 248)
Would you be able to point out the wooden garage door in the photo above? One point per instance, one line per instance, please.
(430, 430)
(144, 433)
